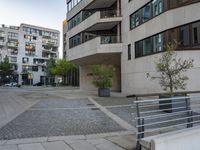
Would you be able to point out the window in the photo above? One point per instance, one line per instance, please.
(129, 52)
(147, 46)
(146, 13)
(35, 68)
(196, 34)
(13, 59)
(158, 43)
(25, 60)
(138, 49)
(157, 6)
(184, 36)
(74, 41)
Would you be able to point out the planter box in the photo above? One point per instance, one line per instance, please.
(171, 105)
(104, 92)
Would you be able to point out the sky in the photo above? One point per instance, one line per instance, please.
(45, 13)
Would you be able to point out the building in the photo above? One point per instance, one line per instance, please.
(131, 34)
(28, 48)
(73, 75)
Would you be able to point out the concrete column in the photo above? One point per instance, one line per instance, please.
(20, 79)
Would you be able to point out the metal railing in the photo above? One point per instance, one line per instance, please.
(110, 13)
(109, 39)
(163, 115)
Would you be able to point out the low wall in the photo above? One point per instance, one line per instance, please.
(188, 139)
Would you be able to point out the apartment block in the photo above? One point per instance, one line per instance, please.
(28, 48)
(131, 35)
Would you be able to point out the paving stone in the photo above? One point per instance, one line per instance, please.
(32, 124)
(70, 138)
(83, 146)
(126, 141)
(26, 141)
(113, 101)
(108, 146)
(9, 147)
(56, 146)
(63, 103)
(96, 141)
(36, 146)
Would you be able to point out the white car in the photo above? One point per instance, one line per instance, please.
(11, 84)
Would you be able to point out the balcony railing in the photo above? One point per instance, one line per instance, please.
(110, 39)
(9, 44)
(110, 13)
(2, 43)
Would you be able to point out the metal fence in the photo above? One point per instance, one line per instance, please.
(157, 116)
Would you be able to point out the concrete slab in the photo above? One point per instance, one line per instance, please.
(26, 141)
(35, 146)
(83, 146)
(60, 145)
(108, 146)
(9, 147)
(127, 141)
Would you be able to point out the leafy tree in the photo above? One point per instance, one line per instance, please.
(171, 69)
(62, 68)
(6, 69)
(102, 75)
(51, 64)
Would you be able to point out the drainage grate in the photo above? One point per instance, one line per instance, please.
(95, 109)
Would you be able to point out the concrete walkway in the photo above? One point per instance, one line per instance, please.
(14, 102)
(109, 141)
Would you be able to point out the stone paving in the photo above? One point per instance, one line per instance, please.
(58, 121)
(67, 119)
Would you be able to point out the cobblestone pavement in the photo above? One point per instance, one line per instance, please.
(49, 112)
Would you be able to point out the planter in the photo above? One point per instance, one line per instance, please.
(104, 92)
(170, 106)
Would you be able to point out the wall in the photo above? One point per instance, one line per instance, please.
(134, 80)
(187, 139)
(86, 79)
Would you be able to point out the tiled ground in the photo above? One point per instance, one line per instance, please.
(57, 121)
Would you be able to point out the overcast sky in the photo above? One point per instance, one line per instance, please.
(45, 13)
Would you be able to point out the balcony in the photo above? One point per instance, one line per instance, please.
(2, 43)
(14, 38)
(12, 44)
(100, 20)
(2, 35)
(99, 49)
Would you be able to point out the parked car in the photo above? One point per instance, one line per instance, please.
(38, 84)
(11, 84)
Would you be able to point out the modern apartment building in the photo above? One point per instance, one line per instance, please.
(28, 48)
(131, 34)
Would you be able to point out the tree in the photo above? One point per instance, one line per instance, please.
(171, 69)
(51, 64)
(6, 69)
(62, 68)
(102, 75)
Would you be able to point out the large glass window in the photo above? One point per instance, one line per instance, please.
(184, 36)
(147, 46)
(139, 49)
(146, 13)
(196, 34)
(71, 4)
(157, 6)
(158, 43)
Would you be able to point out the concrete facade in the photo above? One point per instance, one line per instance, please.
(29, 49)
(133, 71)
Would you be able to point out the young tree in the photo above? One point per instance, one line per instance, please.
(6, 69)
(51, 64)
(63, 66)
(171, 69)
